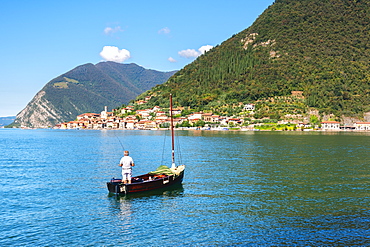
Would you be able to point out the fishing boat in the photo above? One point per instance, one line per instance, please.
(161, 178)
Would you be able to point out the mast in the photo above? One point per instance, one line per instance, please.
(172, 134)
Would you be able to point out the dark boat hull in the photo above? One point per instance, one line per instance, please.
(144, 183)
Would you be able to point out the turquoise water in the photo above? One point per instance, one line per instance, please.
(240, 188)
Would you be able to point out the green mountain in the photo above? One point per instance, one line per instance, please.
(88, 88)
(320, 47)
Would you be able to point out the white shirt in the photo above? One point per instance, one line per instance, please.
(126, 162)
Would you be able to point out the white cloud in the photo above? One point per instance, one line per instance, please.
(110, 30)
(190, 53)
(164, 30)
(172, 60)
(205, 48)
(112, 53)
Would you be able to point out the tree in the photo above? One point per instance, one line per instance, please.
(314, 120)
(200, 123)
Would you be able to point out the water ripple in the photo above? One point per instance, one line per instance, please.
(254, 189)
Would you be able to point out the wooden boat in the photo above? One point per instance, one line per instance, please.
(147, 182)
(163, 177)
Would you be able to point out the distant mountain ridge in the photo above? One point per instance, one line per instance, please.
(88, 88)
(6, 120)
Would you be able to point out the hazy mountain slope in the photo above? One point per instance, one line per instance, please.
(6, 120)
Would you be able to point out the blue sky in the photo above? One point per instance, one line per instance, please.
(41, 40)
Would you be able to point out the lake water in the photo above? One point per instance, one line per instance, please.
(240, 188)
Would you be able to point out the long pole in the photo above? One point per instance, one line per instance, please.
(172, 134)
(119, 141)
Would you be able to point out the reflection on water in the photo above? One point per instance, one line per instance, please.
(122, 205)
(172, 191)
(121, 208)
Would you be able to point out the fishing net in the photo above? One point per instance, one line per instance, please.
(162, 170)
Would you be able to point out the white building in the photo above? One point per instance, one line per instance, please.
(330, 125)
(249, 107)
(362, 125)
(196, 115)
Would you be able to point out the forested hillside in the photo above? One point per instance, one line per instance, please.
(88, 88)
(320, 47)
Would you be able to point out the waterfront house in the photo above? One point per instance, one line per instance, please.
(207, 117)
(215, 119)
(130, 124)
(150, 125)
(303, 125)
(196, 115)
(140, 124)
(179, 120)
(223, 120)
(63, 126)
(362, 125)
(111, 124)
(89, 124)
(194, 120)
(75, 124)
(330, 125)
(235, 121)
(122, 124)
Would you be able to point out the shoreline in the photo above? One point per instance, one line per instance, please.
(209, 129)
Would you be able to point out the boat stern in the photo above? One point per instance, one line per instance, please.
(114, 186)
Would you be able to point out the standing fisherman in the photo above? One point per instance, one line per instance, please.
(126, 163)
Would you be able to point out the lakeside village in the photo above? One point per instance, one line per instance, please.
(158, 118)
